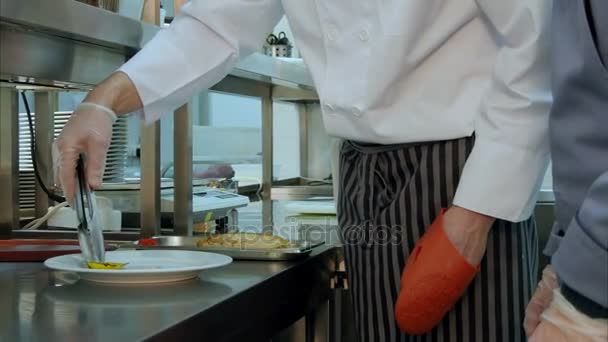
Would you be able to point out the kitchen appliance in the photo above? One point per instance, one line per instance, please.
(208, 202)
(109, 218)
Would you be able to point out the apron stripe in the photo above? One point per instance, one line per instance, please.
(414, 232)
(462, 327)
(379, 297)
(477, 320)
(509, 306)
(388, 198)
(494, 291)
(386, 294)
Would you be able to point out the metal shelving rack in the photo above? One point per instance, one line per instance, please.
(59, 45)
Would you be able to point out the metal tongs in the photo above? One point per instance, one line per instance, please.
(90, 235)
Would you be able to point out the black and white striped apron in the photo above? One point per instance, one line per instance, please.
(388, 196)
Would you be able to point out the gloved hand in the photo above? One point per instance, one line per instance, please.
(440, 268)
(540, 300)
(561, 322)
(89, 131)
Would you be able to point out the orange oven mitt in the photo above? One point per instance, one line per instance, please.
(433, 279)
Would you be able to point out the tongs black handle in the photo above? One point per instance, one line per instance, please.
(83, 195)
(90, 235)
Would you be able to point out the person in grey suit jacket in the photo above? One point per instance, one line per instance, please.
(571, 302)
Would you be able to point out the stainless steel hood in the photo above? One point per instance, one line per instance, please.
(64, 42)
(70, 44)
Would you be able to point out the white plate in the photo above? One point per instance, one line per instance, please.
(147, 266)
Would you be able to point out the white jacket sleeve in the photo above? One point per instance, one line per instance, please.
(502, 175)
(198, 50)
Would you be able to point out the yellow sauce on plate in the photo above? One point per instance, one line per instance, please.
(106, 265)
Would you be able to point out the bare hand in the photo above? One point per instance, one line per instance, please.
(468, 232)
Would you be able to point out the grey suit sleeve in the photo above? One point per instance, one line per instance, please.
(581, 261)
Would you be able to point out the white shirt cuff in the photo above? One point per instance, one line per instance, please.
(501, 180)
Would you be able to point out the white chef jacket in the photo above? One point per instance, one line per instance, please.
(388, 71)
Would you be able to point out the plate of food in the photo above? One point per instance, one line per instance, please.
(140, 266)
(244, 241)
(239, 245)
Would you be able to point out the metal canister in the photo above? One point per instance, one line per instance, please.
(278, 50)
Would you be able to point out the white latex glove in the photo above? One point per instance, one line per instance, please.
(540, 300)
(561, 322)
(88, 132)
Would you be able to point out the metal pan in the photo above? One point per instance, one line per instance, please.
(300, 249)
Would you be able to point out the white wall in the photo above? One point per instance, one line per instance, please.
(319, 151)
(286, 139)
(239, 111)
(168, 6)
(234, 111)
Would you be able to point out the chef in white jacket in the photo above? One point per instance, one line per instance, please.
(442, 104)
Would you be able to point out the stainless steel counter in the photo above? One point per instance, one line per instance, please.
(245, 301)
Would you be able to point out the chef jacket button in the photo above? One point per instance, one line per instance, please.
(364, 35)
(357, 111)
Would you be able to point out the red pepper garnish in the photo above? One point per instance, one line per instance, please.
(147, 242)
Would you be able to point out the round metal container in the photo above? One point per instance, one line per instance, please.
(278, 50)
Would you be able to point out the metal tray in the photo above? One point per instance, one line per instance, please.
(300, 249)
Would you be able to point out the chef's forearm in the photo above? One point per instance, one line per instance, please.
(118, 93)
(200, 47)
(506, 166)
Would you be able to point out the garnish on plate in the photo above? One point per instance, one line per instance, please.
(147, 242)
(106, 265)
